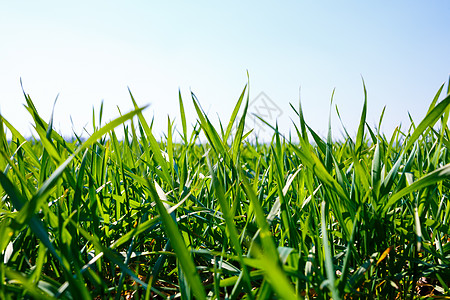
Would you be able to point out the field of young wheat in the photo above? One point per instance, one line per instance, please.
(144, 217)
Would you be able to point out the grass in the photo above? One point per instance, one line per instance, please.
(147, 217)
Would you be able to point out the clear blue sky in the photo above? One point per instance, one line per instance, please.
(89, 51)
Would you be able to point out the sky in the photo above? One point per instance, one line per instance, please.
(92, 51)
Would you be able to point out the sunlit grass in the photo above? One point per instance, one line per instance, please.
(149, 217)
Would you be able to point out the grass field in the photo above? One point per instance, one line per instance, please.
(147, 217)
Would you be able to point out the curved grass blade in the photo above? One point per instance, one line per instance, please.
(269, 256)
(178, 245)
(429, 121)
(31, 289)
(437, 175)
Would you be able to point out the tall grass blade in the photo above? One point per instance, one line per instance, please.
(184, 258)
(429, 121)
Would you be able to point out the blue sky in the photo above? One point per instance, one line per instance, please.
(88, 52)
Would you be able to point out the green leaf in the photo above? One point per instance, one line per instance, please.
(234, 115)
(362, 122)
(331, 279)
(430, 119)
(183, 117)
(437, 175)
(184, 258)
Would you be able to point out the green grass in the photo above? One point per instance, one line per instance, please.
(149, 217)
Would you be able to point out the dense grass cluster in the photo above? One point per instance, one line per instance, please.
(366, 217)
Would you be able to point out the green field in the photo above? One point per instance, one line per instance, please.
(144, 217)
